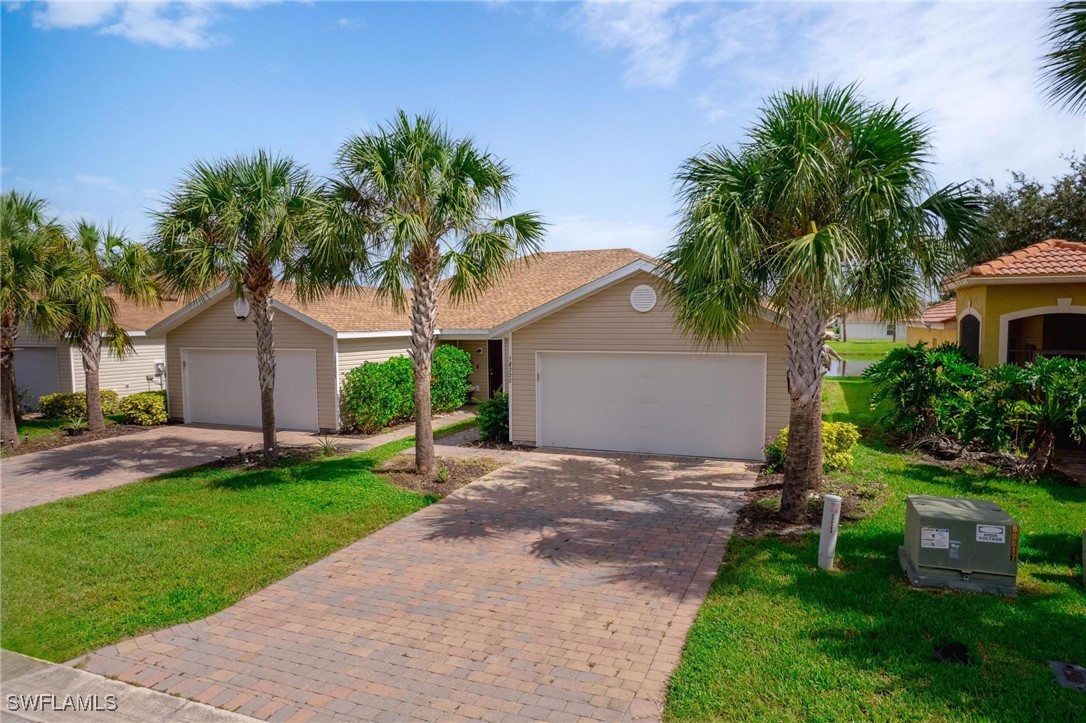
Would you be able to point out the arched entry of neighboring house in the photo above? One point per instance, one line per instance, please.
(1042, 331)
(969, 335)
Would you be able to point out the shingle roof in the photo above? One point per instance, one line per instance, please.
(1054, 257)
(135, 317)
(941, 312)
(530, 283)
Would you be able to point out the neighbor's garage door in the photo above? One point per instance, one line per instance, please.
(703, 405)
(221, 387)
(36, 372)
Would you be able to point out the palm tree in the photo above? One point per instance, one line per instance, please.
(252, 221)
(33, 273)
(826, 206)
(432, 206)
(107, 265)
(1065, 64)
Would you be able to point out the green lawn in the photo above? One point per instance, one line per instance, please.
(84, 572)
(779, 639)
(865, 347)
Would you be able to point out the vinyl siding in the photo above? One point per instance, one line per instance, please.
(124, 376)
(353, 352)
(480, 374)
(218, 328)
(605, 321)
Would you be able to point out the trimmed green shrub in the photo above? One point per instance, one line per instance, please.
(146, 409)
(376, 395)
(449, 385)
(493, 418)
(838, 439)
(70, 406)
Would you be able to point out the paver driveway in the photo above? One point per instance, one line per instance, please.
(559, 588)
(39, 477)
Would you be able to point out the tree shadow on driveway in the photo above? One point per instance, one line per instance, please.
(642, 520)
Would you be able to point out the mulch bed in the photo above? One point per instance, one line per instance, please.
(758, 517)
(63, 440)
(400, 471)
(503, 446)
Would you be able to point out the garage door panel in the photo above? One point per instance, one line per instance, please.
(710, 405)
(222, 387)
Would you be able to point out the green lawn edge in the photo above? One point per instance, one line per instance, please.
(779, 639)
(84, 572)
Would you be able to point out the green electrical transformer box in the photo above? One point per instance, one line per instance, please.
(960, 543)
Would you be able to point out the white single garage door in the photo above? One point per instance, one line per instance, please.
(221, 387)
(700, 405)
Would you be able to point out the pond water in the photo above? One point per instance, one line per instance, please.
(846, 367)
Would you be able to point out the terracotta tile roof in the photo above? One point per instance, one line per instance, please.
(134, 317)
(942, 312)
(530, 283)
(1054, 257)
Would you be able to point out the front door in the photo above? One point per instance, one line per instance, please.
(495, 366)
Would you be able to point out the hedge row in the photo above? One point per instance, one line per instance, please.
(379, 394)
(74, 405)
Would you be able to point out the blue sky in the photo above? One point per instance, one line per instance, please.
(594, 105)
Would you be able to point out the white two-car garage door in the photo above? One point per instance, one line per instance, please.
(221, 387)
(702, 405)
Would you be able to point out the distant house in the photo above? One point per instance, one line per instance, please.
(1022, 305)
(866, 324)
(45, 365)
(937, 325)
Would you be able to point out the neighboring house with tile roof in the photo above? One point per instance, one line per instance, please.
(45, 365)
(582, 341)
(938, 324)
(1025, 304)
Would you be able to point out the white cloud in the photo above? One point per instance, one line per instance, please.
(970, 69)
(346, 22)
(582, 232)
(104, 182)
(187, 24)
(648, 33)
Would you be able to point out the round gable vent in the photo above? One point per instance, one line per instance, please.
(241, 307)
(643, 298)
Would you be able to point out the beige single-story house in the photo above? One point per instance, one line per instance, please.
(45, 365)
(582, 341)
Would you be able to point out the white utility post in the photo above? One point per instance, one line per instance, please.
(827, 540)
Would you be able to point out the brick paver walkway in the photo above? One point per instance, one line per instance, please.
(560, 588)
(36, 478)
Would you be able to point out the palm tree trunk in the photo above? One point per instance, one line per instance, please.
(423, 323)
(1040, 457)
(9, 332)
(15, 396)
(265, 364)
(90, 348)
(803, 458)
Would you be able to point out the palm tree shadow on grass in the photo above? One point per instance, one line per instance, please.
(640, 520)
(294, 472)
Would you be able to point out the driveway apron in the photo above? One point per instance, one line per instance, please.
(559, 588)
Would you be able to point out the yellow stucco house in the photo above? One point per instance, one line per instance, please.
(1025, 304)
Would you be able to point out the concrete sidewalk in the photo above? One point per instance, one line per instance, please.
(44, 691)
